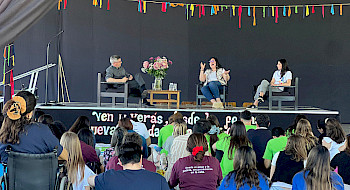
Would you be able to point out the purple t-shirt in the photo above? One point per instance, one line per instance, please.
(113, 164)
(190, 174)
(89, 153)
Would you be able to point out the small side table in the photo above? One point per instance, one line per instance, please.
(166, 92)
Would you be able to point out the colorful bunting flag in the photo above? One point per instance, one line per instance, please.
(240, 16)
(276, 17)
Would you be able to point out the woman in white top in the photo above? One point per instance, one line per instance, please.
(78, 172)
(281, 77)
(214, 78)
(335, 137)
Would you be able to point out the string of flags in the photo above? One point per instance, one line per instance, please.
(275, 11)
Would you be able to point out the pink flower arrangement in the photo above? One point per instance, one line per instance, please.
(156, 67)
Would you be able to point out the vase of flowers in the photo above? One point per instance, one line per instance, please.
(156, 67)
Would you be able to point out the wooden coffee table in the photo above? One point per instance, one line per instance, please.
(152, 100)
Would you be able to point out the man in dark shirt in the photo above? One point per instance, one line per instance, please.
(116, 73)
(259, 139)
(133, 177)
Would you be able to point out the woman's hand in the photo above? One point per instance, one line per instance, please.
(226, 75)
(202, 66)
(227, 72)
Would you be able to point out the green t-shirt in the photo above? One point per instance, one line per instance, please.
(164, 133)
(274, 146)
(220, 136)
(226, 164)
(247, 127)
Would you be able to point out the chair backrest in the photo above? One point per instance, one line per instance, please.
(32, 171)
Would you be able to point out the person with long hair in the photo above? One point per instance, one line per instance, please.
(291, 129)
(77, 171)
(215, 134)
(238, 137)
(292, 157)
(23, 135)
(80, 122)
(116, 141)
(214, 79)
(180, 128)
(335, 137)
(168, 130)
(281, 77)
(341, 162)
(304, 129)
(196, 171)
(245, 174)
(317, 174)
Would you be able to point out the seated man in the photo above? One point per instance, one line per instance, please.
(116, 73)
(133, 176)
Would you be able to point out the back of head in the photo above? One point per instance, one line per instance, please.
(318, 165)
(277, 132)
(303, 128)
(57, 129)
(197, 145)
(117, 137)
(86, 136)
(238, 138)
(244, 168)
(213, 120)
(175, 117)
(321, 124)
(335, 131)
(125, 123)
(71, 143)
(246, 115)
(134, 138)
(296, 146)
(347, 148)
(295, 122)
(202, 126)
(263, 120)
(45, 119)
(37, 114)
(80, 122)
(179, 129)
(129, 153)
(16, 115)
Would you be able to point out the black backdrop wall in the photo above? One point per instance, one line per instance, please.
(316, 48)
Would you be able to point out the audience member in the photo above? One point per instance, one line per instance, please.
(292, 157)
(37, 114)
(57, 129)
(89, 154)
(180, 128)
(259, 139)
(22, 135)
(304, 129)
(80, 122)
(168, 130)
(245, 174)
(196, 171)
(77, 171)
(135, 138)
(317, 174)
(214, 135)
(321, 127)
(276, 144)
(291, 129)
(246, 118)
(126, 124)
(238, 137)
(116, 141)
(179, 146)
(133, 177)
(341, 162)
(335, 137)
(46, 119)
(141, 129)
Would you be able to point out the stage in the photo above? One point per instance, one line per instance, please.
(104, 119)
